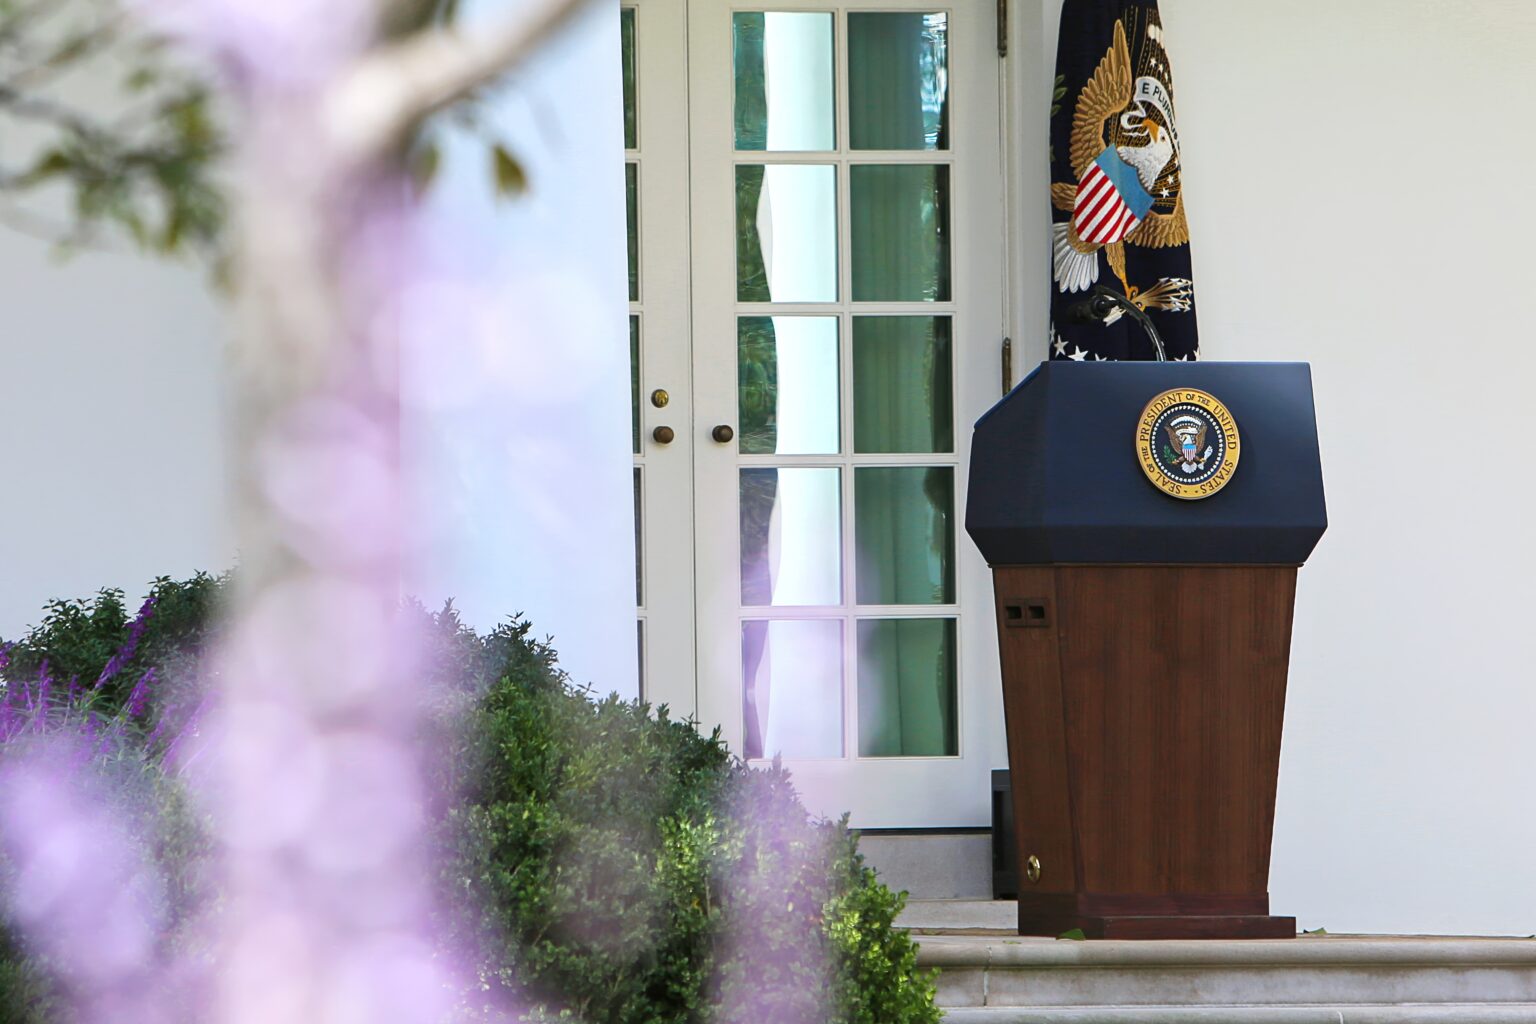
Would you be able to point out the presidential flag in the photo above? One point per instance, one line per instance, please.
(1117, 191)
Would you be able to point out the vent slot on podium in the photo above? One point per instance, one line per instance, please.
(1028, 613)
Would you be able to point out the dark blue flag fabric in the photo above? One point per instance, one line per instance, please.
(1117, 192)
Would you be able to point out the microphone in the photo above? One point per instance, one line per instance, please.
(1104, 301)
(1094, 311)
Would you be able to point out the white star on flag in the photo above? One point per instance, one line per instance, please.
(1078, 354)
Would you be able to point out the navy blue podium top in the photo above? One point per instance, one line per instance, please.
(1055, 475)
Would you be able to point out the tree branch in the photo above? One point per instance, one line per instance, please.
(35, 108)
(19, 22)
(68, 55)
(391, 90)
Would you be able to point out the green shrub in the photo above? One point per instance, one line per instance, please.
(610, 864)
(601, 861)
(90, 639)
(29, 993)
(164, 833)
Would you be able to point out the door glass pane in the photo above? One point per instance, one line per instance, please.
(791, 537)
(640, 646)
(903, 390)
(793, 698)
(632, 219)
(634, 380)
(898, 81)
(907, 688)
(627, 46)
(900, 243)
(786, 233)
(639, 543)
(904, 534)
(784, 83)
(787, 385)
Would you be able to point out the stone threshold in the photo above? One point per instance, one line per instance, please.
(994, 950)
(1397, 1013)
(987, 975)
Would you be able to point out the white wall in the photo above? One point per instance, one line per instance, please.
(1356, 176)
(109, 426)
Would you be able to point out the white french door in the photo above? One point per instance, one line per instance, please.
(844, 203)
(656, 180)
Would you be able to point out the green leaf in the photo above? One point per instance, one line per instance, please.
(424, 163)
(50, 165)
(140, 79)
(1315, 931)
(72, 49)
(1074, 935)
(510, 177)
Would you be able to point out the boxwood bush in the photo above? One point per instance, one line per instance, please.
(600, 861)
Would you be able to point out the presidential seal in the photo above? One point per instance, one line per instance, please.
(1187, 443)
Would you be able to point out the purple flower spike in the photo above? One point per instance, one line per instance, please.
(125, 653)
(165, 720)
(140, 695)
(188, 728)
(44, 690)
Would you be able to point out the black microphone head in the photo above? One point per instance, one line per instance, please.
(1084, 313)
(1102, 306)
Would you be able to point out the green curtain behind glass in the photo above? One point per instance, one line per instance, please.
(906, 692)
(906, 667)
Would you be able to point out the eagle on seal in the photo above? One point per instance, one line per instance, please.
(1112, 202)
(1188, 436)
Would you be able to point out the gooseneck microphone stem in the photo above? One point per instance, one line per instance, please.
(1104, 302)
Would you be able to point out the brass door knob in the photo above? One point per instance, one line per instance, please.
(1032, 869)
(722, 433)
(664, 435)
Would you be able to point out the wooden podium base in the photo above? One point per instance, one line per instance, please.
(1149, 917)
(1144, 708)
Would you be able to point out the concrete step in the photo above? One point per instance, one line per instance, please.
(1437, 1013)
(968, 917)
(1316, 975)
(932, 866)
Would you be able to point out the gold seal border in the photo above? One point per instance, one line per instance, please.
(1148, 458)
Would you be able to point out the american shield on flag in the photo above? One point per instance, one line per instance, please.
(1116, 185)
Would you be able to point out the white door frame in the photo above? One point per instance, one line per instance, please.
(665, 534)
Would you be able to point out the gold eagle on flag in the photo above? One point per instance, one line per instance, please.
(1126, 164)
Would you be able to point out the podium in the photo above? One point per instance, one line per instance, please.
(1145, 637)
